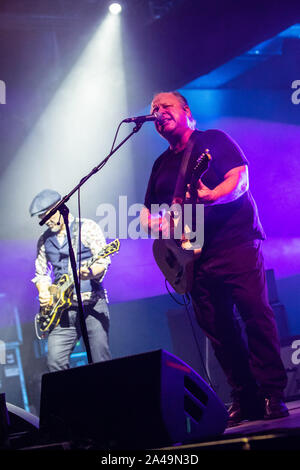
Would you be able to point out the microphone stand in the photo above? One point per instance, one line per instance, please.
(63, 209)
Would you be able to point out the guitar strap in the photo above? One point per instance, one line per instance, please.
(179, 192)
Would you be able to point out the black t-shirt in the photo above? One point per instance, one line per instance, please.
(225, 225)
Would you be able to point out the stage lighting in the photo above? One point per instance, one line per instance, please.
(115, 8)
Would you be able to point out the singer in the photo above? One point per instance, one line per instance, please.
(230, 270)
(52, 263)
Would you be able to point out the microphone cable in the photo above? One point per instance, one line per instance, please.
(116, 134)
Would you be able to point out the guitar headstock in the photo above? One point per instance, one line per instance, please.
(110, 248)
(200, 168)
(202, 162)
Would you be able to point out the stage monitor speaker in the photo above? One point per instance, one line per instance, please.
(138, 402)
(21, 420)
(18, 427)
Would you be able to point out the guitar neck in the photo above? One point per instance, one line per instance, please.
(199, 170)
(109, 249)
(193, 189)
(88, 265)
(92, 261)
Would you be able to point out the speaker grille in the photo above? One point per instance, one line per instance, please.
(195, 390)
(192, 408)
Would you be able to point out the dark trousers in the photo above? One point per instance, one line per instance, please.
(237, 277)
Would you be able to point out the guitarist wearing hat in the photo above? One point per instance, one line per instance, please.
(229, 271)
(58, 306)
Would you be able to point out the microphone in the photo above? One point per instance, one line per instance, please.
(142, 119)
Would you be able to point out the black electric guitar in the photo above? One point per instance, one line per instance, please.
(62, 293)
(176, 256)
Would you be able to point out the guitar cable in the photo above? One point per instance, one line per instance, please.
(186, 302)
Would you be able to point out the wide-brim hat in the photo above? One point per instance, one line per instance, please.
(44, 201)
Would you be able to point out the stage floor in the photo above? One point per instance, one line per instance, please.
(291, 422)
(277, 434)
